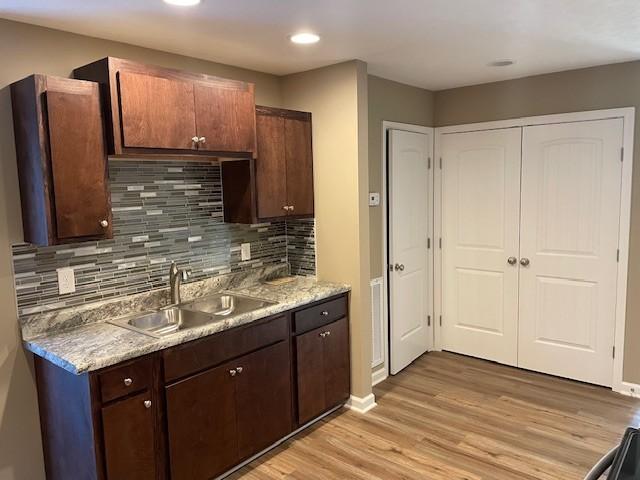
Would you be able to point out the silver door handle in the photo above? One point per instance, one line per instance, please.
(524, 262)
(147, 404)
(512, 260)
(239, 369)
(233, 372)
(399, 266)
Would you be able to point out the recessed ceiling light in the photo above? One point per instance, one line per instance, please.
(501, 63)
(305, 38)
(182, 3)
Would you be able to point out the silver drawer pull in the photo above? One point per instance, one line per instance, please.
(147, 404)
(324, 313)
(128, 382)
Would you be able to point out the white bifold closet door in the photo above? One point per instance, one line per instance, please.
(480, 223)
(571, 180)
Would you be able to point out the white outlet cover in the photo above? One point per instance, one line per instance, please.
(66, 280)
(245, 252)
(374, 199)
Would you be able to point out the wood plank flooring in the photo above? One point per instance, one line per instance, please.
(452, 417)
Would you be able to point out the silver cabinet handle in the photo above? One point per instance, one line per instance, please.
(127, 382)
(202, 140)
(195, 139)
(291, 208)
(512, 260)
(239, 369)
(324, 313)
(325, 334)
(147, 404)
(399, 267)
(104, 223)
(232, 373)
(524, 262)
(286, 208)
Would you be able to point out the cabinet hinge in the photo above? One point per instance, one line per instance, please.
(428, 242)
(440, 163)
(622, 154)
(428, 320)
(440, 243)
(440, 320)
(613, 352)
(618, 255)
(428, 163)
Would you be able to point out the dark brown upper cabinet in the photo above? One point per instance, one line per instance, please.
(279, 182)
(62, 160)
(160, 111)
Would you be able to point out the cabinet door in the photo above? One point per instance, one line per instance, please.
(129, 439)
(299, 159)
(225, 117)
(201, 420)
(263, 398)
(78, 164)
(336, 363)
(156, 112)
(271, 167)
(310, 374)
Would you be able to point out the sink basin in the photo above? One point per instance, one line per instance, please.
(196, 313)
(164, 322)
(226, 304)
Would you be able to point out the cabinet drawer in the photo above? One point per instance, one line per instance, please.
(318, 315)
(123, 380)
(198, 355)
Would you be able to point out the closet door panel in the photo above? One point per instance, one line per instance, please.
(571, 177)
(480, 225)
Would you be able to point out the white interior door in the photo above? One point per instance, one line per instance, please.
(571, 181)
(480, 223)
(410, 200)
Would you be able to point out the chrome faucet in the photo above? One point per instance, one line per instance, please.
(176, 277)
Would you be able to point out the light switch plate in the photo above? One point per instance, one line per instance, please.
(374, 199)
(66, 280)
(245, 251)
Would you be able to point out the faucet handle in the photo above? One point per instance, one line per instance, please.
(186, 273)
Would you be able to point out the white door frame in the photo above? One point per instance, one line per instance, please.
(628, 116)
(386, 126)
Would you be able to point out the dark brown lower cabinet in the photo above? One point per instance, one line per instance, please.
(196, 410)
(323, 372)
(226, 414)
(129, 438)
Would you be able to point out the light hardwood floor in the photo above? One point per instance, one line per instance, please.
(452, 417)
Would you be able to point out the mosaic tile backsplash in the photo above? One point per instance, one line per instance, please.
(163, 211)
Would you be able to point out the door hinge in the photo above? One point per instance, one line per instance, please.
(428, 320)
(622, 154)
(440, 163)
(618, 255)
(440, 320)
(428, 242)
(613, 352)
(428, 163)
(391, 267)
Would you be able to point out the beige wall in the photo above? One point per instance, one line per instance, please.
(603, 87)
(24, 50)
(337, 98)
(395, 102)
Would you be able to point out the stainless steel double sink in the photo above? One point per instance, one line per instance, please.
(192, 314)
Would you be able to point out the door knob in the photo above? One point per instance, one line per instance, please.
(202, 140)
(512, 260)
(233, 372)
(104, 223)
(239, 369)
(524, 262)
(399, 266)
(291, 208)
(147, 404)
(195, 139)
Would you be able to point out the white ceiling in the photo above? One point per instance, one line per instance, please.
(433, 44)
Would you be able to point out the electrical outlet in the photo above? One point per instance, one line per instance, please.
(66, 280)
(374, 199)
(245, 251)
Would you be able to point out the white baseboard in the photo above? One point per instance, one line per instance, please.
(378, 376)
(628, 389)
(361, 405)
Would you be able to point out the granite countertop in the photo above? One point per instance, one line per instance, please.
(97, 345)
